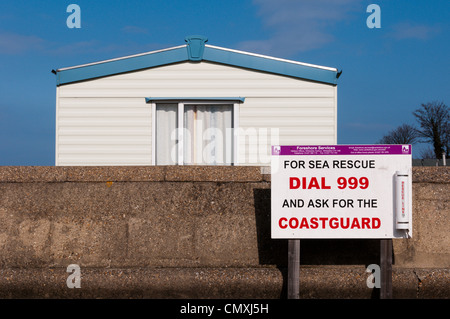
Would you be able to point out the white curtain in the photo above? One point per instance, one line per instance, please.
(166, 139)
(208, 134)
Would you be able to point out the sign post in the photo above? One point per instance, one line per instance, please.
(342, 191)
(386, 268)
(293, 290)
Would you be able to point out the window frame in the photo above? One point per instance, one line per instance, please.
(180, 124)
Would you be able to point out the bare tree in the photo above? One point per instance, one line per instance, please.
(434, 121)
(404, 134)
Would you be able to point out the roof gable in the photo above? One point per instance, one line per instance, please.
(197, 50)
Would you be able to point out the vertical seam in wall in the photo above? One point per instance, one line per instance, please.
(57, 128)
(335, 115)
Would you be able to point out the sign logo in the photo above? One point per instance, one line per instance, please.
(276, 150)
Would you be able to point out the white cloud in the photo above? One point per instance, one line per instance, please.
(406, 30)
(371, 126)
(76, 48)
(298, 26)
(13, 43)
(134, 29)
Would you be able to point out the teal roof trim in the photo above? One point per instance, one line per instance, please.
(163, 99)
(196, 50)
(118, 66)
(270, 65)
(196, 47)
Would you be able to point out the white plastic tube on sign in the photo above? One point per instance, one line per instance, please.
(401, 200)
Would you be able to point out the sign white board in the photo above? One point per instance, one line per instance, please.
(341, 191)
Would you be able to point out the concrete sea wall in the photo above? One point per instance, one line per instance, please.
(194, 232)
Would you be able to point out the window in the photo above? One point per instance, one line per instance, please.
(195, 133)
(165, 133)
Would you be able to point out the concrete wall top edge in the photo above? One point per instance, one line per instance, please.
(439, 175)
(52, 174)
(49, 174)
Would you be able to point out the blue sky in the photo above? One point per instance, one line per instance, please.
(387, 72)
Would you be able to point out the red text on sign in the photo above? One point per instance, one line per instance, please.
(353, 182)
(316, 183)
(304, 183)
(326, 222)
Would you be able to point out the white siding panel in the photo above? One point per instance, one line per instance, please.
(103, 140)
(186, 91)
(299, 121)
(117, 160)
(103, 131)
(107, 122)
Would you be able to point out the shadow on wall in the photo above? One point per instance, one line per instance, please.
(312, 251)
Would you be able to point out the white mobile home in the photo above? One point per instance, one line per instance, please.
(191, 104)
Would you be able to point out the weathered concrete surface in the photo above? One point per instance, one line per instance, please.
(337, 282)
(430, 245)
(155, 228)
(144, 283)
(146, 224)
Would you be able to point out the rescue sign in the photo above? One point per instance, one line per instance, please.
(341, 191)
